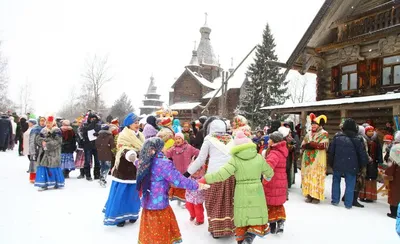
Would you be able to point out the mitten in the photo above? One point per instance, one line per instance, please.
(308, 146)
(186, 174)
(131, 156)
(204, 186)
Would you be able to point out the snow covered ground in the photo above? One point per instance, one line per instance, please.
(73, 215)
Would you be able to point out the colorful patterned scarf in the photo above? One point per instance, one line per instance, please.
(150, 150)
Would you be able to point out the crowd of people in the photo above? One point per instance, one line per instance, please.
(241, 177)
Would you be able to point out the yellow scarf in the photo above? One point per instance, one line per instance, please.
(127, 140)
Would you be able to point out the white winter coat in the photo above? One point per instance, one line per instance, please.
(14, 126)
(25, 142)
(219, 152)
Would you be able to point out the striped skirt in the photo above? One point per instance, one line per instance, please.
(219, 206)
(369, 191)
(276, 213)
(176, 194)
(67, 161)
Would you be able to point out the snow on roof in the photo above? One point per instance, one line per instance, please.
(211, 94)
(387, 96)
(150, 106)
(203, 81)
(233, 83)
(184, 106)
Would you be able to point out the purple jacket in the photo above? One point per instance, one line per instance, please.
(164, 174)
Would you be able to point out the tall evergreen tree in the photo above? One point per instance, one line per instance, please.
(122, 106)
(264, 87)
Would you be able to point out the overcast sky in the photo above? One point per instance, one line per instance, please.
(47, 41)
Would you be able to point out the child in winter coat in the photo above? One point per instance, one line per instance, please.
(104, 145)
(250, 207)
(393, 173)
(276, 190)
(181, 155)
(68, 148)
(154, 176)
(195, 199)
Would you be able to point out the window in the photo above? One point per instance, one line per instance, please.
(349, 77)
(391, 71)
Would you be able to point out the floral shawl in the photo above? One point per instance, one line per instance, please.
(127, 140)
(320, 136)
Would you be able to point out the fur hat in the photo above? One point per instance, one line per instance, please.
(388, 138)
(202, 119)
(130, 119)
(276, 137)
(179, 134)
(66, 122)
(369, 128)
(350, 125)
(241, 138)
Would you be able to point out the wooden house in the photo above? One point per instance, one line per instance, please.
(353, 46)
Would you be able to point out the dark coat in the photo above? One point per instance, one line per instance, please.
(375, 152)
(5, 131)
(22, 126)
(126, 170)
(347, 153)
(104, 145)
(198, 141)
(393, 172)
(87, 144)
(68, 140)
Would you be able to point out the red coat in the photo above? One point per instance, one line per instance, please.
(276, 189)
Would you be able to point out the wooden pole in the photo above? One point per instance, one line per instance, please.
(230, 76)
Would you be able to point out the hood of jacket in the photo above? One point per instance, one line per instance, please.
(104, 133)
(217, 126)
(281, 147)
(245, 151)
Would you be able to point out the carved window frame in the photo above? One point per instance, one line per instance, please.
(392, 67)
(348, 73)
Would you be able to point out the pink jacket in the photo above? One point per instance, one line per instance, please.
(276, 189)
(182, 156)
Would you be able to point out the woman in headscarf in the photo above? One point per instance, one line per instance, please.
(123, 201)
(49, 173)
(155, 174)
(34, 148)
(68, 148)
(219, 199)
(313, 166)
(151, 128)
(240, 123)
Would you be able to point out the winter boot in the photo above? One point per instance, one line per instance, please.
(96, 173)
(355, 201)
(393, 212)
(249, 238)
(215, 237)
(122, 224)
(66, 173)
(82, 174)
(239, 242)
(132, 221)
(309, 199)
(103, 183)
(280, 227)
(272, 227)
(315, 201)
(87, 174)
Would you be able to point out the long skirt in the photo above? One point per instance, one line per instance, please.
(313, 176)
(123, 203)
(177, 194)
(369, 191)
(219, 206)
(80, 159)
(258, 230)
(49, 177)
(276, 213)
(159, 227)
(67, 161)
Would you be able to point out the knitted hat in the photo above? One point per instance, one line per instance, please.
(276, 137)
(130, 119)
(202, 119)
(32, 121)
(50, 119)
(105, 127)
(350, 125)
(180, 135)
(241, 138)
(369, 128)
(397, 136)
(66, 122)
(115, 121)
(388, 138)
(284, 131)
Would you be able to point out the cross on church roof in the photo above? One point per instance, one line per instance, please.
(206, 15)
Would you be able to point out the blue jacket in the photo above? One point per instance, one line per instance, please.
(347, 154)
(398, 221)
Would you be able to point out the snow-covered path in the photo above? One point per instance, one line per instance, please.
(73, 215)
